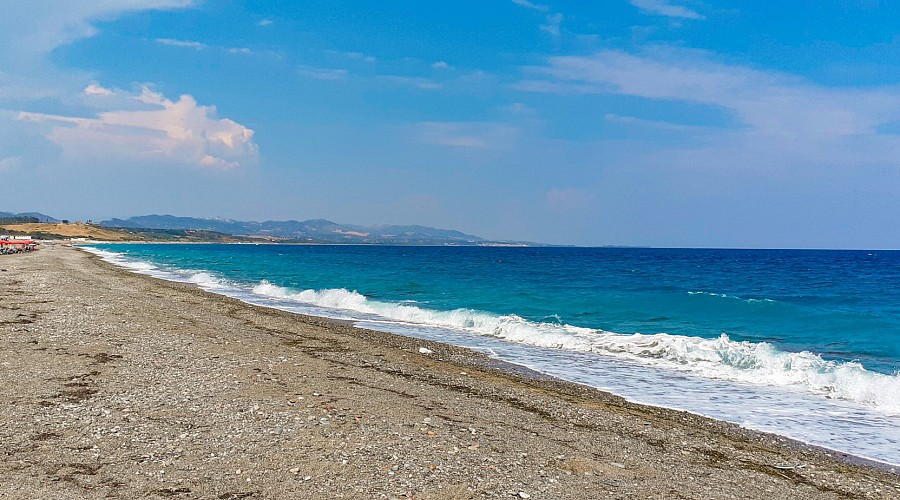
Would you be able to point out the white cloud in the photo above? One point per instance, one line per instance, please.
(411, 81)
(111, 124)
(664, 8)
(657, 124)
(29, 31)
(33, 29)
(780, 120)
(168, 131)
(532, 6)
(468, 135)
(96, 89)
(181, 43)
(191, 44)
(359, 56)
(440, 65)
(10, 163)
(322, 73)
(554, 21)
(344, 74)
(265, 22)
(770, 102)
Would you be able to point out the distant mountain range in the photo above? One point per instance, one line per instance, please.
(169, 227)
(311, 231)
(28, 215)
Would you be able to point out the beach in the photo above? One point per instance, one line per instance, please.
(126, 386)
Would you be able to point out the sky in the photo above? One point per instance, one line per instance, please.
(669, 123)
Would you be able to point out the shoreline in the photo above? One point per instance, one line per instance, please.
(823, 428)
(526, 373)
(664, 453)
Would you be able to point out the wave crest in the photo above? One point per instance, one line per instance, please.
(719, 358)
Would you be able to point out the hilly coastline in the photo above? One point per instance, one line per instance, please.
(310, 231)
(172, 228)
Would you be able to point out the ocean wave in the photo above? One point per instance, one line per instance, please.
(205, 280)
(757, 363)
(121, 260)
(726, 296)
(201, 278)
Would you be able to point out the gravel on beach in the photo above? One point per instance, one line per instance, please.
(117, 385)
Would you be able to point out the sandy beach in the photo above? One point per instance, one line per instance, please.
(116, 385)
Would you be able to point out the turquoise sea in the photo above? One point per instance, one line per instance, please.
(801, 343)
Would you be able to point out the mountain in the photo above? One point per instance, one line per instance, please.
(40, 217)
(172, 222)
(27, 217)
(313, 230)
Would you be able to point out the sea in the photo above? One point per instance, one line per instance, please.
(800, 343)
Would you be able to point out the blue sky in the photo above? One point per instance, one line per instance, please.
(615, 122)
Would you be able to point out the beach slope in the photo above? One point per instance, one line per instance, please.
(119, 385)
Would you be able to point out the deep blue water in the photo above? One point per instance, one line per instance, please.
(823, 325)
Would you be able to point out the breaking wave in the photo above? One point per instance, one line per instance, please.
(758, 363)
(721, 358)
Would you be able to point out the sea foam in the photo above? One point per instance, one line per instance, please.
(758, 363)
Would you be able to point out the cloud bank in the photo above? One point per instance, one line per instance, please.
(162, 130)
(33, 29)
(778, 113)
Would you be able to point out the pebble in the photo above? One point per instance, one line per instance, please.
(425, 350)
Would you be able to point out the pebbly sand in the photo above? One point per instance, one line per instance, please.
(116, 385)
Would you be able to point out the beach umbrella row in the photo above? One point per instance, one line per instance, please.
(16, 246)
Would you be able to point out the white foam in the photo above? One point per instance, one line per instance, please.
(120, 260)
(206, 280)
(719, 358)
(726, 296)
(200, 278)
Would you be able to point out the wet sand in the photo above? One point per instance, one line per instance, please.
(115, 385)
